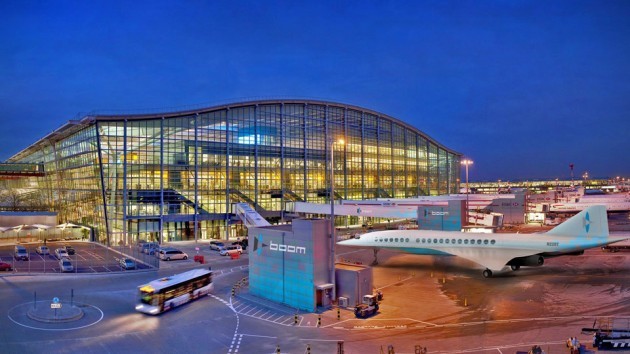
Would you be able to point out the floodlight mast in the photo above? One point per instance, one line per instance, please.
(333, 237)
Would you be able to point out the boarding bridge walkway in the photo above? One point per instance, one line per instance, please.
(12, 170)
(249, 216)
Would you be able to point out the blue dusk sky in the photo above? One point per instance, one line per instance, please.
(523, 88)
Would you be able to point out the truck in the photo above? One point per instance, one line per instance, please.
(610, 333)
(368, 307)
(615, 248)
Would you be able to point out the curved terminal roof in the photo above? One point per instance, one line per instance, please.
(73, 126)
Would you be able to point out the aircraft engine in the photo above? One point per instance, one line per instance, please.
(529, 261)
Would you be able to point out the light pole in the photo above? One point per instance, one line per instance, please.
(333, 238)
(466, 163)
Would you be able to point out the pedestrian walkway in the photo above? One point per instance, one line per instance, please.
(253, 306)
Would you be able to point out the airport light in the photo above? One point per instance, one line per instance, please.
(466, 163)
(333, 237)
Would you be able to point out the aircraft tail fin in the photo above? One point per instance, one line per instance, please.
(592, 221)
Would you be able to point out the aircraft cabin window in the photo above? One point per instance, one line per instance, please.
(459, 241)
(493, 242)
(441, 241)
(396, 239)
(485, 242)
(435, 240)
(423, 240)
(417, 240)
(391, 239)
(453, 241)
(466, 241)
(478, 242)
(406, 240)
(447, 241)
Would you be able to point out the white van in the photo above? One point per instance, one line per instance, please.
(172, 254)
(231, 249)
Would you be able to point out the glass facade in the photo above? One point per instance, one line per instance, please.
(175, 176)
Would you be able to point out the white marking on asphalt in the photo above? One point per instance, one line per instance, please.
(60, 329)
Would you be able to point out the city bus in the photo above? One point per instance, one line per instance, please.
(163, 294)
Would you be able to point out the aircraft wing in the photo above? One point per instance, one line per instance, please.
(492, 258)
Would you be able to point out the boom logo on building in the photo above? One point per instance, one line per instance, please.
(277, 247)
(286, 248)
(439, 213)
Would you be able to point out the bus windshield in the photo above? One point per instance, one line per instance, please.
(146, 295)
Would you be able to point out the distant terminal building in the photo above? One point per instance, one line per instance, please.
(175, 176)
(544, 185)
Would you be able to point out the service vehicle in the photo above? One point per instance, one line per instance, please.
(610, 333)
(368, 307)
(615, 248)
(166, 293)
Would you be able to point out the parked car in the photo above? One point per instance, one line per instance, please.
(127, 263)
(43, 250)
(5, 267)
(20, 253)
(61, 253)
(151, 249)
(172, 254)
(65, 265)
(159, 250)
(216, 245)
(243, 243)
(231, 249)
(145, 246)
(69, 249)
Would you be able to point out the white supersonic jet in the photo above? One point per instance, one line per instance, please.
(588, 229)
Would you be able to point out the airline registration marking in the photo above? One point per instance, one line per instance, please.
(553, 244)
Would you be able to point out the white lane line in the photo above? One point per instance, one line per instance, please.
(250, 310)
(231, 350)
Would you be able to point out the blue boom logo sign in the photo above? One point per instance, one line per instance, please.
(286, 248)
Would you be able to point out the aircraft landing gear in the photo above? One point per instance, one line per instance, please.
(375, 261)
(515, 267)
(487, 273)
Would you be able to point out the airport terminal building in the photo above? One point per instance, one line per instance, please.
(175, 176)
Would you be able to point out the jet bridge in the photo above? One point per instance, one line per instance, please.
(249, 216)
(440, 213)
